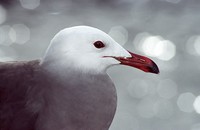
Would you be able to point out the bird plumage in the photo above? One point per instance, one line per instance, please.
(14, 80)
(34, 99)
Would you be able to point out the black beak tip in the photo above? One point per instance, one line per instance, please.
(154, 68)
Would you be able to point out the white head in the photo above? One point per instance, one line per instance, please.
(86, 49)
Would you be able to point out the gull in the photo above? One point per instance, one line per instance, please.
(68, 88)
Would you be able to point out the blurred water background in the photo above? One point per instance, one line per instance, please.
(167, 31)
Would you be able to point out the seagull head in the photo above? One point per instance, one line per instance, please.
(91, 50)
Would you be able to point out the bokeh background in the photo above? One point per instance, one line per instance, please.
(167, 31)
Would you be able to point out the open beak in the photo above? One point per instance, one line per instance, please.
(141, 62)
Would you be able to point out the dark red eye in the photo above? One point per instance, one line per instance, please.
(99, 44)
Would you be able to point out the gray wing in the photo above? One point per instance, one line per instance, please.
(15, 80)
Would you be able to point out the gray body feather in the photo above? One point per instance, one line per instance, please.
(32, 98)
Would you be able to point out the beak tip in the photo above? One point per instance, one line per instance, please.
(154, 68)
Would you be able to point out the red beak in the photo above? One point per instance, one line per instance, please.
(140, 62)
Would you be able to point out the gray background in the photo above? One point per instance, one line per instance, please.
(167, 31)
